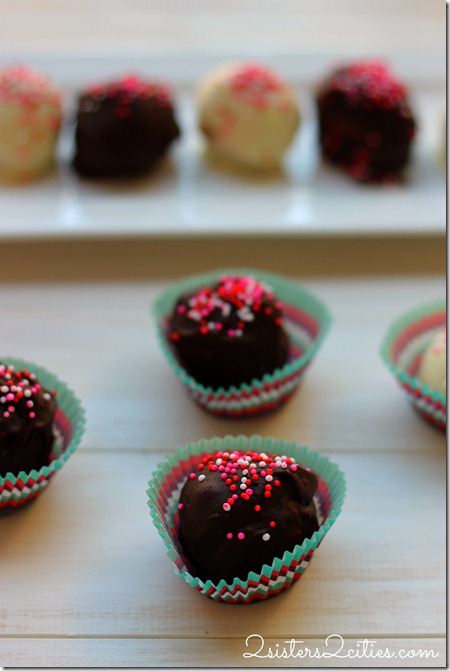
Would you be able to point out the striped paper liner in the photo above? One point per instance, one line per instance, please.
(306, 320)
(164, 491)
(16, 490)
(403, 349)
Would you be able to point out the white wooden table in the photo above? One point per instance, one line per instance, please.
(84, 577)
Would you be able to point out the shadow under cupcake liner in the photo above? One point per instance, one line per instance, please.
(17, 490)
(402, 351)
(164, 492)
(306, 320)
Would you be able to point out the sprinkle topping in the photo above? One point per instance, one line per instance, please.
(128, 89)
(369, 79)
(18, 385)
(232, 304)
(245, 469)
(26, 87)
(255, 84)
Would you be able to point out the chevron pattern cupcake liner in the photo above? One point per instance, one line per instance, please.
(17, 490)
(402, 350)
(164, 491)
(306, 320)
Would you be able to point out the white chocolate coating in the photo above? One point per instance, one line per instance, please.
(248, 114)
(433, 369)
(30, 117)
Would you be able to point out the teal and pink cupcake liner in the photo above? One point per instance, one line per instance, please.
(305, 318)
(163, 496)
(16, 490)
(403, 349)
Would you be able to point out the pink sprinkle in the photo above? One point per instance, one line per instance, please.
(180, 506)
(241, 536)
(229, 536)
(226, 507)
(235, 496)
(223, 476)
(30, 404)
(214, 467)
(253, 471)
(263, 473)
(11, 408)
(6, 414)
(293, 467)
(32, 415)
(181, 309)
(230, 332)
(249, 491)
(9, 397)
(192, 475)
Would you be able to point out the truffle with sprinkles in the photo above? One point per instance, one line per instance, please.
(248, 114)
(27, 412)
(30, 118)
(123, 128)
(229, 333)
(366, 125)
(239, 510)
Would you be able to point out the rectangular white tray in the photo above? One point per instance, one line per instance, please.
(187, 196)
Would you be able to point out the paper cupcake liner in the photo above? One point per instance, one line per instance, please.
(163, 496)
(16, 490)
(402, 350)
(306, 319)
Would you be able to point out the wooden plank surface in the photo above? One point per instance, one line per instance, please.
(50, 26)
(213, 652)
(84, 575)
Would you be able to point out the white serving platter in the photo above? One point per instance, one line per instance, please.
(190, 196)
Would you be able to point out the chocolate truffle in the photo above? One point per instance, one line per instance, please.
(433, 367)
(248, 114)
(365, 122)
(27, 412)
(240, 510)
(229, 333)
(30, 117)
(123, 128)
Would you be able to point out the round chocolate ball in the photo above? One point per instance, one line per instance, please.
(27, 413)
(123, 129)
(239, 510)
(229, 333)
(366, 125)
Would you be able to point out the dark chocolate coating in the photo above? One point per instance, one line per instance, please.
(204, 524)
(26, 443)
(116, 139)
(363, 129)
(215, 359)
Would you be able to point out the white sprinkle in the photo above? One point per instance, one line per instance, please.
(5, 389)
(226, 507)
(2, 399)
(269, 478)
(243, 486)
(218, 461)
(27, 393)
(201, 477)
(266, 537)
(245, 471)
(47, 397)
(262, 464)
(238, 332)
(283, 464)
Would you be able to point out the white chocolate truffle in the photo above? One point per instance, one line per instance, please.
(433, 369)
(248, 114)
(30, 117)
